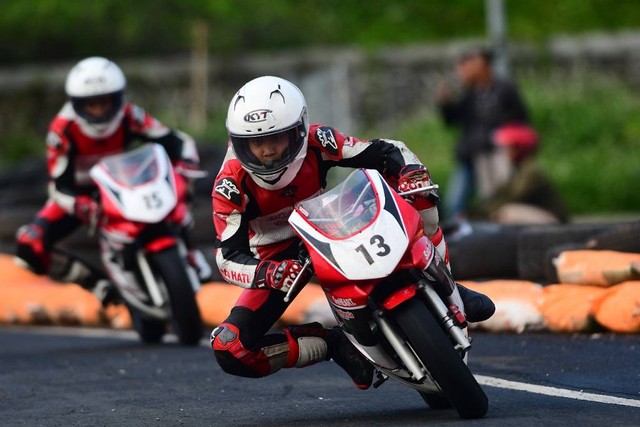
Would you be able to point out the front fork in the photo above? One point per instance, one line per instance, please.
(158, 297)
(443, 316)
(404, 352)
(129, 257)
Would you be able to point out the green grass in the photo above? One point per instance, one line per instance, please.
(590, 133)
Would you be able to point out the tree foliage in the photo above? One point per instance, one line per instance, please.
(38, 30)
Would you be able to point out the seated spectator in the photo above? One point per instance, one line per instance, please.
(527, 196)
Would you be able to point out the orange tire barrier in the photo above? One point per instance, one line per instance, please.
(26, 298)
(47, 303)
(517, 305)
(619, 309)
(601, 268)
(569, 308)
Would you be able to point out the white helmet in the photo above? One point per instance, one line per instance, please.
(94, 78)
(268, 106)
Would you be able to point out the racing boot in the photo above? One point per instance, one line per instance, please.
(477, 306)
(311, 343)
(68, 268)
(106, 292)
(349, 358)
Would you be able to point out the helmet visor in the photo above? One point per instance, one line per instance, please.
(100, 108)
(269, 153)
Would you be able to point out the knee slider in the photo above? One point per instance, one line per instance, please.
(224, 342)
(232, 356)
(224, 337)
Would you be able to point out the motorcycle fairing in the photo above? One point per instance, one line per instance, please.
(138, 184)
(355, 231)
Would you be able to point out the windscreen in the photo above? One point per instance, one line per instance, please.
(345, 209)
(133, 168)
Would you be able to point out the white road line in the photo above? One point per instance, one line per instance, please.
(556, 392)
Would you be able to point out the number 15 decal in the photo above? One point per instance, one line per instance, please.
(377, 241)
(152, 201)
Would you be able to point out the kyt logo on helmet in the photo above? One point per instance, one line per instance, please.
(257, 116)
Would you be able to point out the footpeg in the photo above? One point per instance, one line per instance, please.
(381, 379)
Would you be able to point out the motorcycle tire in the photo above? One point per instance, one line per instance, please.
(621, 238)
(434, 401)
(186, 319)
(486, 253)
(438, 355)
(150, 330)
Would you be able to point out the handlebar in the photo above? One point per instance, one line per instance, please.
(192, 173)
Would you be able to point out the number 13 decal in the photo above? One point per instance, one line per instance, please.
(378, 242)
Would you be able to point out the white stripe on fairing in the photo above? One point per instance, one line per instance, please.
(556, 392)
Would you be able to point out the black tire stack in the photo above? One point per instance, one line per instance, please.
(527, 252)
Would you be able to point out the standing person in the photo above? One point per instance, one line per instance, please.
(486, 103)
(274, 160)
(96, 121)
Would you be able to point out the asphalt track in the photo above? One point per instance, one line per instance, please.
(52, 376)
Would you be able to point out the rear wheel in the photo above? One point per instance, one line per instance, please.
(437, 353)
(186, 320)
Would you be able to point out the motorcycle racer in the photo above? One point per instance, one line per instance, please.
(96, 121)
(275, 159)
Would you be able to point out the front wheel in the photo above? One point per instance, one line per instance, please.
(150, 330)
(435, 401)
(438, 355)
(186, 320)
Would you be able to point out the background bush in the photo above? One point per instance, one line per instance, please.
(40, 30)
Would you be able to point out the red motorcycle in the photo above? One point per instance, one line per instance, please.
(140, 246)
(389, 290)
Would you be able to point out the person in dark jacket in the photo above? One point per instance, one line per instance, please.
(486, 103)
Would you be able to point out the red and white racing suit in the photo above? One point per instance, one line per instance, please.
(251, 225)
(70, 155)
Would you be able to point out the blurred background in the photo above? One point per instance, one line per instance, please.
(368, 68)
